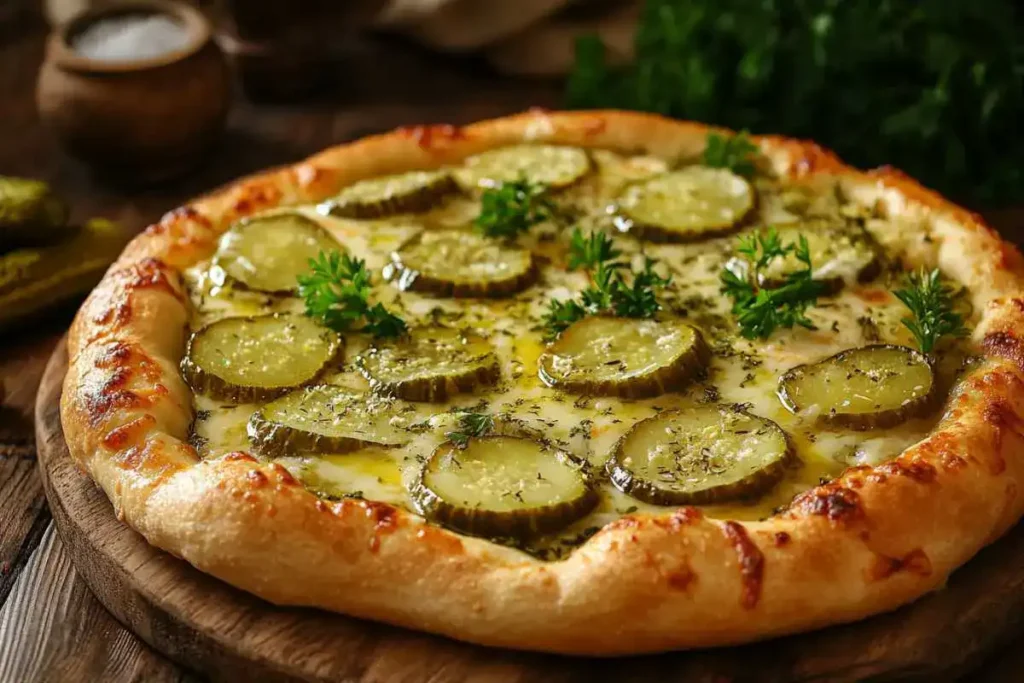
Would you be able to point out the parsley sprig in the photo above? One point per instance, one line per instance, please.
(734, 152)
(609, 290)
(931, 303)
(337, 292)
(512, 208)
(470, 425)
(761, 308)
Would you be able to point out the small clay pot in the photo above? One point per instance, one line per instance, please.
(136, 121)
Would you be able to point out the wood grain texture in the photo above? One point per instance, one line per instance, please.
(230, 635)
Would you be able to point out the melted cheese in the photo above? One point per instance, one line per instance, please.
(741, 371)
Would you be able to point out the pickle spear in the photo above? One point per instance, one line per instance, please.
(626, 357)
(840, 255)
(871, 387)
(697, 456)
(502, 486)
(551, 165)
(688, 205)
(461, 264)
(411, 192)
(30, 214)
(268, 254)
(242, 360)
(430, 364)
(324, 419)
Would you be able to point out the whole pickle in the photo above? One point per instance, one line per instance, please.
(30, 214)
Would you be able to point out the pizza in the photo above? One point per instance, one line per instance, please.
(590, 383)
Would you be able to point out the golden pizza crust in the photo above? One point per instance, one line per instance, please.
(871, 540)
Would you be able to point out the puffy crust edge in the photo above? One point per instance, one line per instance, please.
(871, 540)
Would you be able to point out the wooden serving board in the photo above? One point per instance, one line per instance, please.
(229, 635)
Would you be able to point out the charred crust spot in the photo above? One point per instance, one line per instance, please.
(239, 456)
(595, 126)
(781, 539)
(1003, 418)
(1009, 256)
(321, 506)
(834, 501)
(256, 478)
(916, 562)
(751, 561)
(686, 516)
(284, 477)
(428, 137)
(1004, 345)
(126, 434)
(681, 579)
(177, 217)
(259, 194)
(813, 158)
(918, 470)
(385, 519)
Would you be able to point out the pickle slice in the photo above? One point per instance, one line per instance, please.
(502, 486)
(242, 360)
(324, 419)
(839, 255)
(871, 387)
(624, 357)
(551, 165)
(697, 456)
(460, 264)
(430, 364)
(268, 254)
(411, 192)
(686, 205)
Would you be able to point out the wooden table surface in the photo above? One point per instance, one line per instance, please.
(51, 627)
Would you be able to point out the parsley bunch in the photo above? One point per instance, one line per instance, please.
(609, 292)
(337, 292)
(931, 304)
(470, 425)
(760, 309)
(931, 86)
(512, 208)
(734, 152)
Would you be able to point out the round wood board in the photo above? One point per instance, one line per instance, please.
(230, 635)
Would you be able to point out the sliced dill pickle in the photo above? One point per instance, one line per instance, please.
(242, 360)
(411, 192)
(30, 214)
(502, 486)
(687, 205)
(871, 387)
(552, 165)
(697, 456)
(461, 264)
(268, 254)
(839, 255)
(33, 279)
(430, 364)
(324, 419)
(624, 357)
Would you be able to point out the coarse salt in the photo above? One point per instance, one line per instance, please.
(131, 37)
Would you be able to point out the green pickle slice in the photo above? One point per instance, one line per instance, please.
(871, 387)
(430, 364)
(502, 486)
(698, 456)
(324, 419)
(241, 360)
(552, 165)
(412, 192)
(840, 255)
(624, 357)
(268, 254)
(460, 264)
(688, 205)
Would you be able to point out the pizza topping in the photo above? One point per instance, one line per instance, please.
(932, 305)
(707, 454)
(267, 254)
(430, 364)
(688, 205)
(502, 486)
(734, 152)
(552, 165)
(337, 293)
(455, 263)
(324, 419)
(871, 387)
(840, 255)
(411, 192)
(511, 208)
(251, 359)
(628, 358)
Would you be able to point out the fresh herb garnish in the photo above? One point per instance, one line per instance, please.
(470, 425)
(337, 293)
(760, 308)
(512, 208)
(734, 152)
(609, 291)
(931, 303)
